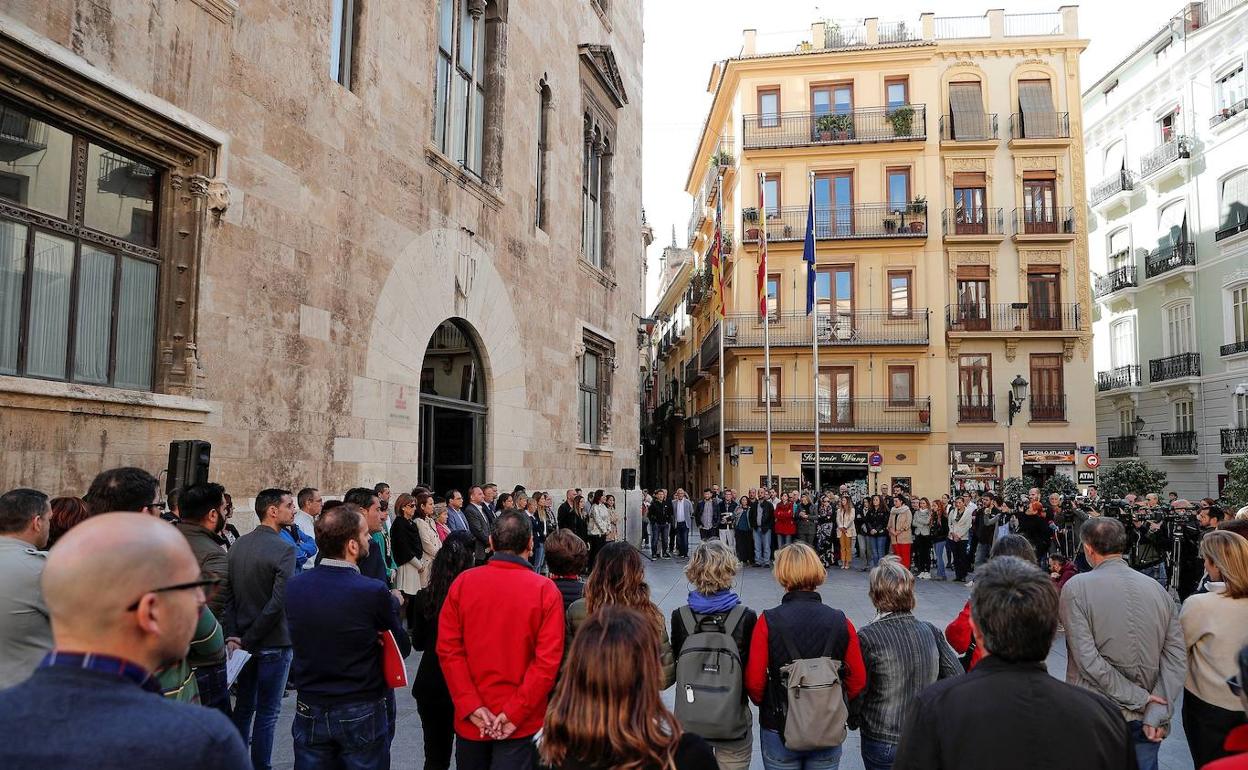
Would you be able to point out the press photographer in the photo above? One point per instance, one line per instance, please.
(1148, 541)
(1191, 565)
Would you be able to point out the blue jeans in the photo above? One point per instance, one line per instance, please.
(777, 757)
(539, 557)
(879, 549)
(658, 538)
(1145, 750)
(682, 538)
(878, 755)
(762, 546)
(350, 736)
(783, 540)
(1156, 572)
(939, 545)
(260, 687)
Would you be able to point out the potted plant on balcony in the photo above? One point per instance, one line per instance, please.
(721, 159)
(824, 127)
(750, 217)
(890, 224)
(727, 238)
(925, 414)
(918, 205)
(902, 120)
(842, 124)
(1185, 146)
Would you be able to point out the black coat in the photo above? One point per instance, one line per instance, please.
(405, 541)
(995, 717)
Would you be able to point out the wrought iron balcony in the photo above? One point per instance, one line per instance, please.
(973, 221)
(976, 409)
(1234, 441)
(1179, 444)
(1164, 259)
(866, 220)
(691, 371)
(697, 218)
(1047, 407)
(1157, 159)
(1235, 222)
(906, 123)
(1113, 184)
(849, 328)
(968, 128)
(710, 352)
(1174, 367)
(1044, 221)
(1013, 317)
(1233, 348)
(1226, 113)
(1119, 377)
(836, 415)
(708, 423)
(20, 134)
(1122, 446)
(691, 439)
(1044, 125)
(1115, 280)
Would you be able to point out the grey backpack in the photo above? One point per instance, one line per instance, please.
(710, 682)
(817, 716)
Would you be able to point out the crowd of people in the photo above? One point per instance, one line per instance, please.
(149, 633)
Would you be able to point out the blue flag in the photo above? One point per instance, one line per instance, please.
(808, 254)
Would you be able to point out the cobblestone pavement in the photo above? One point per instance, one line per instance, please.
(847, 590)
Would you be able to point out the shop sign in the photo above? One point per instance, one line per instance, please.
(1048, 457)
(835, 458)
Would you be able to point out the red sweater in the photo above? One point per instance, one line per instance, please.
(500, 642)
(1236, 740)
(784, 520)
(958, 634)
(756, 668)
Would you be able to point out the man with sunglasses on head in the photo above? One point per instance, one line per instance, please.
(124, 593)
(260, 563)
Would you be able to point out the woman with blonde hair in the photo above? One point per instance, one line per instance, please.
(606, 711)
(845, 531)
(801, 627)
(618, 579)
(1214, 627)
(714, 607)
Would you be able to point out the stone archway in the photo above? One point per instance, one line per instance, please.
(440, 274)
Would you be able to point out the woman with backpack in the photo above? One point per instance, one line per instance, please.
(903, 655)
(804, 665)
(710, 675)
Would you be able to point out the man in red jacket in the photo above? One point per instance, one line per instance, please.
(500, 642)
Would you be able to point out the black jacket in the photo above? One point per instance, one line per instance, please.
(566, 517)
(660, 512)
(479, 526)
(874, 520)
(405, 541)
(762, 515)
(991, 718)
(815, 630)
(571, 589)
(986, 524)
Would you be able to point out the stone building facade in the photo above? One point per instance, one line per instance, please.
(344, 242)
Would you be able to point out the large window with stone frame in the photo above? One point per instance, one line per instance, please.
(596, 364)
(459, 87)
(79, 265)
(596, 190)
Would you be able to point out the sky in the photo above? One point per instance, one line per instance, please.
(684, 37)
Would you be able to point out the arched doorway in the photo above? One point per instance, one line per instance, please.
(452, 410)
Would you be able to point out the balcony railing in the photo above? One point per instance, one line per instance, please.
(1115, 280)
(1166, 258)
(1044, 221)
(691, 371)
(1043, 125)
(1234, 223)
(710, 352)
(860, 327)
(708, 423)
(1016, 317)
(866, 220)
(1182, 443)
(968, 128)
(973, 221)
(1031, 24)
(976, 409)
(950, 27)
(1226, 113)
(1174, 367)
(1234, 441)
(836, 415)
(1233, 348)
(905, 123)
(1157, 159)
(1122, 446)
(1119, 377)
(697, 217)
(20, 134)
(1048, 407)
(898, 31)
(1113, 184)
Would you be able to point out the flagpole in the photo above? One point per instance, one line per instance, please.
(762, 187)
(814, 340)
(723, 317)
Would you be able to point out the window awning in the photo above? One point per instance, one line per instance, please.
(1172, 226)
(1235, 200)
(967, 108)
(1035, 101)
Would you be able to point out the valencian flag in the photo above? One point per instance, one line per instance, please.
(762, 267)
(808, 254)
(717, 254)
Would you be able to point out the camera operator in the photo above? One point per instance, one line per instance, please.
(1147, 542)
(984, 521)
(1192, 565)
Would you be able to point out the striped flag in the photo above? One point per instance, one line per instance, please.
(717, 253)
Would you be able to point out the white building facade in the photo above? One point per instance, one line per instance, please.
(1167, 158)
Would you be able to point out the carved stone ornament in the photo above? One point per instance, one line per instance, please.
(1011, 348)
(465, 274)
(968, 165)
(1036, 162)
(198, 185)
(1068, 349)
(218, 197)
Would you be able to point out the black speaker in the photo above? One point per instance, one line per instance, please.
(628, 478)
(188, 464)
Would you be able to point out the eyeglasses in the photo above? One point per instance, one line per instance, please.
(1237, 687)
(209, 586)
(157, 506)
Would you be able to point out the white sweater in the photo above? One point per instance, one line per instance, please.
(1214, 629)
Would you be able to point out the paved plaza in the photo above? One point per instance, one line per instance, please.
(847, 590)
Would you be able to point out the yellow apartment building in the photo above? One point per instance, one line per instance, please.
(953, 311)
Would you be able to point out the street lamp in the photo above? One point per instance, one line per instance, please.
(1138, 424)
(1017, 395)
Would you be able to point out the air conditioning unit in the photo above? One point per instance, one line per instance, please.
(704, 447)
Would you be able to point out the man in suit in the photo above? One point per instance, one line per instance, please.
(455, 519)
(489, 505)
(478, 523)
(124, 593)
(25, 633)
